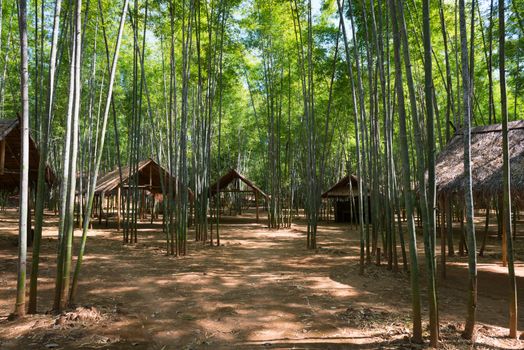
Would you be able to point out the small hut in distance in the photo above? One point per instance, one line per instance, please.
(149, 177)
(149, 173)
(344, 197)
(233, 176)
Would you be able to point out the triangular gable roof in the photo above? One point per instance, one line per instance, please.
(486, 162)
(231, 175)
(342, 188)
(111, 180)
(10, 133)
(6, 126)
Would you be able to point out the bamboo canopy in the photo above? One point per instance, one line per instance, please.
(10, 143)
(229, 177)
(342, 188)
(149, 177)
(486, 163)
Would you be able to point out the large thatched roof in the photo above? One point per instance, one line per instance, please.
(486, 163)
(342, 188)
(229, 177)
(10, 156)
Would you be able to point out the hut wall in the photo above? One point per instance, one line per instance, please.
(347, 210)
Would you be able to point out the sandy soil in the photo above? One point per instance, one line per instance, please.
(260, 290)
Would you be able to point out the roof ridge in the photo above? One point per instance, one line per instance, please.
(481, 129)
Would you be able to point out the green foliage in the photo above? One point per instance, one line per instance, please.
(257, 32)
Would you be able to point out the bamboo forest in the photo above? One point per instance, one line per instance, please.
(261, 174)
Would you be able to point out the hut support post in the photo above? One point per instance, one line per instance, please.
(2, 156)
(486, 229)
(449, 226)
(141, 212)
(256, 204)
(93, 213)
(514, 212)
(153, 205)
(237, 199)
(100, 207)
(118, 194)
(107, 210)
(462, 241)
(191, 220)
(504, 237)
(30, 231)
(443, 210)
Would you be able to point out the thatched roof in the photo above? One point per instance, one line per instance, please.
(486, 163)
(342, 188)
(10, 143)
(149, 173)
(229, 177)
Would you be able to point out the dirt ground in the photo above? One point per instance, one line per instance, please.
(261, 289)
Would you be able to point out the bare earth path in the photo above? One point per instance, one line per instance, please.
(260, 289)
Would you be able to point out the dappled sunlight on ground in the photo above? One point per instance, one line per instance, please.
(260, 289)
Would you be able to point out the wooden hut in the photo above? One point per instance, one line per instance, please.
(486, 172)
(150, 177)
(10, 157)
(486, 164)
(10, 160)
(344, 197)
(233, 176)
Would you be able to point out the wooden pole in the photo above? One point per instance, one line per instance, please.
(515, 211)
(462, 231)
(486, 232)
(191, 212)
(443, 236)
(256, 204)
(2, 156)
(30, 231)
(504, 236)
(107, 211)
(100, 207)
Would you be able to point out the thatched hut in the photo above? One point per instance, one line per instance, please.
(150, 177)
(234, 177)
(10, 157)
(10, 160)
(344, 197)
(486, 164)
(486, 173)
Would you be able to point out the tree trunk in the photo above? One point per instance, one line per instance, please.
(44, 147)
(513, 319)
(469, 328)
(98, 156)
(24, 164)
(406, 179)
(357, 138)
(430, 241)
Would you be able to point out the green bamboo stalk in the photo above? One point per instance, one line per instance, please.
(44, 150)
(406, 179)
(469, 328)
(24, 164)
(430, 237)
(513, 310)
(89, 206)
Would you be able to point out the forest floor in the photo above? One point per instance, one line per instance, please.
(261, 289)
